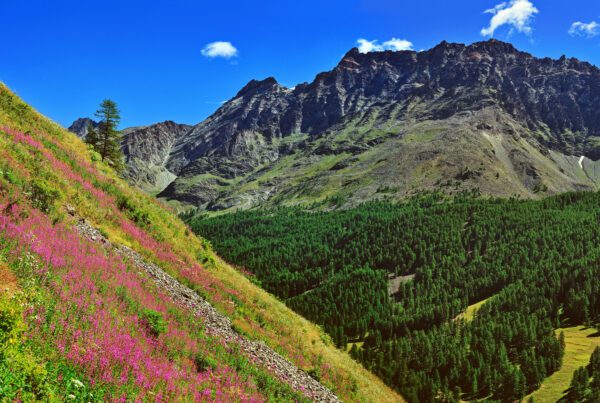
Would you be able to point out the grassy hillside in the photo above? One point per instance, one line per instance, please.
(80, 322)
(471, 310)
(512, 271)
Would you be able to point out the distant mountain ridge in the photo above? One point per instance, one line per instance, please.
(147, 151)
(484, 116)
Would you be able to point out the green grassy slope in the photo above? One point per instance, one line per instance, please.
(70, 292)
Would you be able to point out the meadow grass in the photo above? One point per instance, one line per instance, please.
(469, 314)
(580, 342)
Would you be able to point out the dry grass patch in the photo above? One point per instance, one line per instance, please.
(8, 282)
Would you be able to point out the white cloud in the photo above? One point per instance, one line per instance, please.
(220, 49)
(398, 44)
(516, 13)
(366, 46)
(582, 29)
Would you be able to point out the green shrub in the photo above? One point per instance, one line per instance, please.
(43, 196)
(103, 232)
(94, 155)
(315, 374)
(22, 377)
(8, 321)
(138, 216)
(204, 363)
(9, 175)
(155, 322)
(206, 258)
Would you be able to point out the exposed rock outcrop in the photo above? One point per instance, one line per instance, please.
(80, 127)
(147, 152)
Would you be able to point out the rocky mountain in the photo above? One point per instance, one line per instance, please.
(388, 124)
(147, 151)
(80, 126)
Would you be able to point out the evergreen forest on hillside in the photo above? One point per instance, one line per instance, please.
(532, 267)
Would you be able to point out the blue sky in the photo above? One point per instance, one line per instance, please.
(153, 57)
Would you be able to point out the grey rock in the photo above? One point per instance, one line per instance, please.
(80, 127)
(147, 152)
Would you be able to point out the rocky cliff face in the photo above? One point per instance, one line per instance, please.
(559, 95)
(455, 117)
(147, 153)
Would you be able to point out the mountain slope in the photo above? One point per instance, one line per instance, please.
(454, 118)
(147, 151)
(88, 321)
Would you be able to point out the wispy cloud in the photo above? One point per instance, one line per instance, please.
(588, 30)
(220, 49)
(366, 46)
(518, 14)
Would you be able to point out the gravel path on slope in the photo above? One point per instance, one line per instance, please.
(217, 323)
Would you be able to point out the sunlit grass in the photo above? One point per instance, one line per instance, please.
(469, 314)
(580, 342)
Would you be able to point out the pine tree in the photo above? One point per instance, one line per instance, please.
(595, 387)
(108, 138)
(594, 366)
(92, 136)
(578, 385)
(354, 351)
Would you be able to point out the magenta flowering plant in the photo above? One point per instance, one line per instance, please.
(38, 153)
(94, 322)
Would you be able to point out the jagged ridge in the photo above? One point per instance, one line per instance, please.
(373, 101)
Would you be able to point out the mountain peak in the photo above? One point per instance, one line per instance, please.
(351, 53)
(80, 126)
(495, 45)
(258, 86)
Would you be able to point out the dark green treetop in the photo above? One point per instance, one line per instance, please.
(106, 139)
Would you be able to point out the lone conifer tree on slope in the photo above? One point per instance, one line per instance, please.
(91, 136)
(106, 139)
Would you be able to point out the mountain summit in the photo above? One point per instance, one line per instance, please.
(484, 116)
(81, 125)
